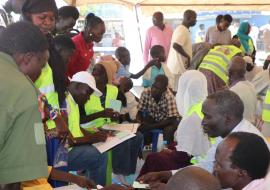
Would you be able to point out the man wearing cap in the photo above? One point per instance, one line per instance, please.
(84, 156)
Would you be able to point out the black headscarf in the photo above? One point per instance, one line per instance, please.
(39, 6)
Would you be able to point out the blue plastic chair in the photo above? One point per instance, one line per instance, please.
(155, 135)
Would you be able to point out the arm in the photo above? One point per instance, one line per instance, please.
(146, 67)
(87, 118)
(180, 50)
(67, 177)
(207, 36)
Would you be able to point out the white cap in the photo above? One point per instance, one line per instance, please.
(86, 78)
(248, 59)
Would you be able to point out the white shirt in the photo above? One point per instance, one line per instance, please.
(208, 162)
(251, 74)
(176, 62)
(261, 82)
(247, 93)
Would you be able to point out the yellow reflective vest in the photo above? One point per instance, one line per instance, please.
(266, 107)
(73, 117)
(217, 60)
(94, 105)
(46, 86)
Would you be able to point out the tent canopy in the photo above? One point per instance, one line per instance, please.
(170, 6)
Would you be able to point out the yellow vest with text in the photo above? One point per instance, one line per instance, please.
(73, 117)
(93, 105)
(197, 109)
(266, 107)
(217, 60)
(46, 86)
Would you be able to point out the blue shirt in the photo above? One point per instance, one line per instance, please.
(122, 72)
(154, 73)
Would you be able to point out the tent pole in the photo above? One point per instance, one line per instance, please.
(138, 23)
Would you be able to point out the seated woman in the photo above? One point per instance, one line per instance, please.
(97, 112)
(191, 140)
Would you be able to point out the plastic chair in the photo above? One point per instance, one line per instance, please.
(155, 135)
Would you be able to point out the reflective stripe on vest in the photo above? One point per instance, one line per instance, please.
(218, 59)
(46, 86)
(93, 105)
(266, 107)
(73, 117)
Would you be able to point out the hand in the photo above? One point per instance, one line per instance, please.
(157, 186)
(166, 151)
(99, 136)
(83, 182)
(153, 62)
(109, 113)
(152, 177)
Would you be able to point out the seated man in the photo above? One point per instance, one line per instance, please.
(157, 110)
(242, 160)
(223, 114)
(84, 156)
(243, 88)
(193, 178)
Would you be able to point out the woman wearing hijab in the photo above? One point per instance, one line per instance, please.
(247, 45)
(191, 140)
(93, 32)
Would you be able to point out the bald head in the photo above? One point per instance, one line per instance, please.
(158, 19)
(237, 69)
(193, 178)
(190, 18)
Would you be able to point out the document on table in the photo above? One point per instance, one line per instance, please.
(75, 187)
(70, 187)
(138, 185)
(128, 127)
(120, 136)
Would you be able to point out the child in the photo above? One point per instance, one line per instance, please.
(130, 110)
(123, 56)
(157, 53)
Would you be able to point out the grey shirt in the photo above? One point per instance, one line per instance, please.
(214, 36)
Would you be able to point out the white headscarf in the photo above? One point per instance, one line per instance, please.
(192, 89)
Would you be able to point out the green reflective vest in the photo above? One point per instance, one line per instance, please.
(250, 47)
(46, 86)
(73, 117)
(266, 107)
(217, 60)
(93, 105)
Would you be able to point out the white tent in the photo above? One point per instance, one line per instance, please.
(150, 6)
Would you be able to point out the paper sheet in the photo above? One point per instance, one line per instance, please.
(113, 141)
(70, 187)
(129, 127)
(138, 185)
(116, 105)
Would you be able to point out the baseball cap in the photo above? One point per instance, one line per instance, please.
(248, 59)
(86, 78)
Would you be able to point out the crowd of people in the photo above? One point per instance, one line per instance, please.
(210, 101)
